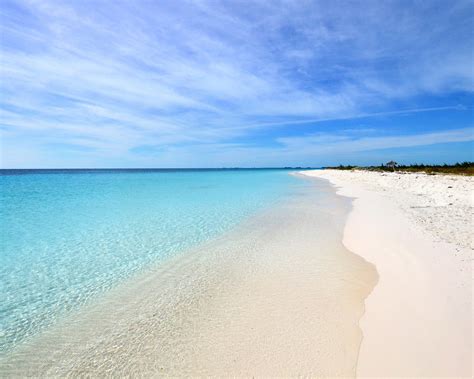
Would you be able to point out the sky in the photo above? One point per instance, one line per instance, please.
(199, 83)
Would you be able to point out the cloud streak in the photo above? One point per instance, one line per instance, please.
(323, 143)
(357, 116)
(114, 76)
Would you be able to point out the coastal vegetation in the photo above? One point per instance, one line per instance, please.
(460, 168)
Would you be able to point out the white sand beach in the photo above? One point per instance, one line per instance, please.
(417, 230)
(301, 289)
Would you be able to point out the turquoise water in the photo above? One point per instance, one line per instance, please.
(67, 236)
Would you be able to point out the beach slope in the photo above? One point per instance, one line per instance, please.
(417, 230)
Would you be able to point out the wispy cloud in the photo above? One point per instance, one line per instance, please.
(115, 75)
(323, 143)
(314, 149)
(354, 116)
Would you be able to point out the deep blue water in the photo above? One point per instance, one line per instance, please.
(66, 236)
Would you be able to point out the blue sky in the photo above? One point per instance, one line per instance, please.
(235, 83)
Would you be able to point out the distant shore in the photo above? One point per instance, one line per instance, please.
(417, 230)
(460, 168)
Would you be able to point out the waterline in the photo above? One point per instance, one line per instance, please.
(277, 295)
(68, 236)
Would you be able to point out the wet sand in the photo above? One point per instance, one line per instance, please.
(278, 296)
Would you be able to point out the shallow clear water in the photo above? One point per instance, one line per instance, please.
(68, 236)
(277, 295)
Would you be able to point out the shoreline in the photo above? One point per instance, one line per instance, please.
(279, 296)
(417, 320)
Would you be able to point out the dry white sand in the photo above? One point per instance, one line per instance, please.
(417, 230)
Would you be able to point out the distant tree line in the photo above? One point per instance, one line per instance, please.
(460, 168)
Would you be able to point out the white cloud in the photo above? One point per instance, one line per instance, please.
(117, 75)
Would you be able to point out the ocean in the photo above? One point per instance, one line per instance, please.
(68, 236)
